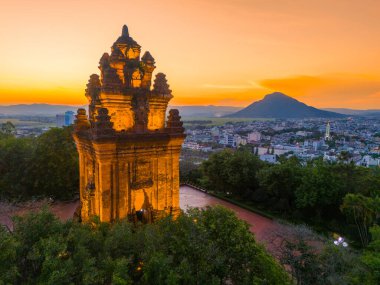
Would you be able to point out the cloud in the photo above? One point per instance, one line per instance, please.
(357, 91)
(233, 102)
(248, 85)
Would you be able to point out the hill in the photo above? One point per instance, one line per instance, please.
(205, 111)
(354, 112)
(35, 109)
(51, 110)
(279, 105)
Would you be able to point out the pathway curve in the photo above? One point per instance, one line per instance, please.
(259, 225)
(189, 197)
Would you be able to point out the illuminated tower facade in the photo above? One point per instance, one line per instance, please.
(128, 149)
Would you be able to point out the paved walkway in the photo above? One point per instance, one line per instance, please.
(189, 197)
(259, 225)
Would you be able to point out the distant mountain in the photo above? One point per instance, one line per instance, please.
(205, 111)
(272, 106)
(35, 109)
(279, 105)
(353, 112)
(52, 110)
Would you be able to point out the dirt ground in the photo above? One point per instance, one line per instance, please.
(63, 210)
(259, 225)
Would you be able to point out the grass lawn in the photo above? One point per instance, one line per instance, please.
(20, 123)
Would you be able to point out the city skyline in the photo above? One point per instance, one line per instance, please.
(213, 52)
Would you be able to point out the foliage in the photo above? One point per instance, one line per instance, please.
(371, 258)
(363, 210)
(344, 155)
(42, 166)
(15, 163)
(56, 164)
(7, 129)
(339, 265)
(277, 184)
(312, 193)
(320, 191)
(336, 196)
(208, 246)
(189, 172)
(235, 172)
(313, 259)
(8, 257)
(291, 247)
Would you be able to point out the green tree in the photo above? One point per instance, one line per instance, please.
(42, 166)
(293, 249)
(8, 129)
(363, 210)
(30, 232)
(55, 165)
(339, 265)
(344, 156)
(8, 257)
(209, 246)
(189, 172)
(215, 169)
(371, 257)
(242, 168)
(320, 193)
(277, 182)
(235, 172)
(15, 162)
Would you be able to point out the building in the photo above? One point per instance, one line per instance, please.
(228, 140)
(327, 133)
(60, 120)
(128, 151)
(271, 158)
(329, 158)
(254, 137)
(302, 133)
(215, 132)
(238, 140)
(69, 118)
(317, 145)
(64, 120)
(369, 161)
(196, 146)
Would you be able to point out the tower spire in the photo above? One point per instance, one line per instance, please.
(125, 32)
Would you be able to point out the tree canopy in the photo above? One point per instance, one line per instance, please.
(315, 192)
(209, 246)
(43, 166)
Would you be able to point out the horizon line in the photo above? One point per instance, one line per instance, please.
(185, 105)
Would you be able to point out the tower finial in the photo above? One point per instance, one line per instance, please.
(125, 32)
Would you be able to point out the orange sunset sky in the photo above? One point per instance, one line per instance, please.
(325, 53)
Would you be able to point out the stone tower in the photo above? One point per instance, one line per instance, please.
(128, 151)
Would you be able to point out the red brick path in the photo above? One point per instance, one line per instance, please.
(189, 197)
